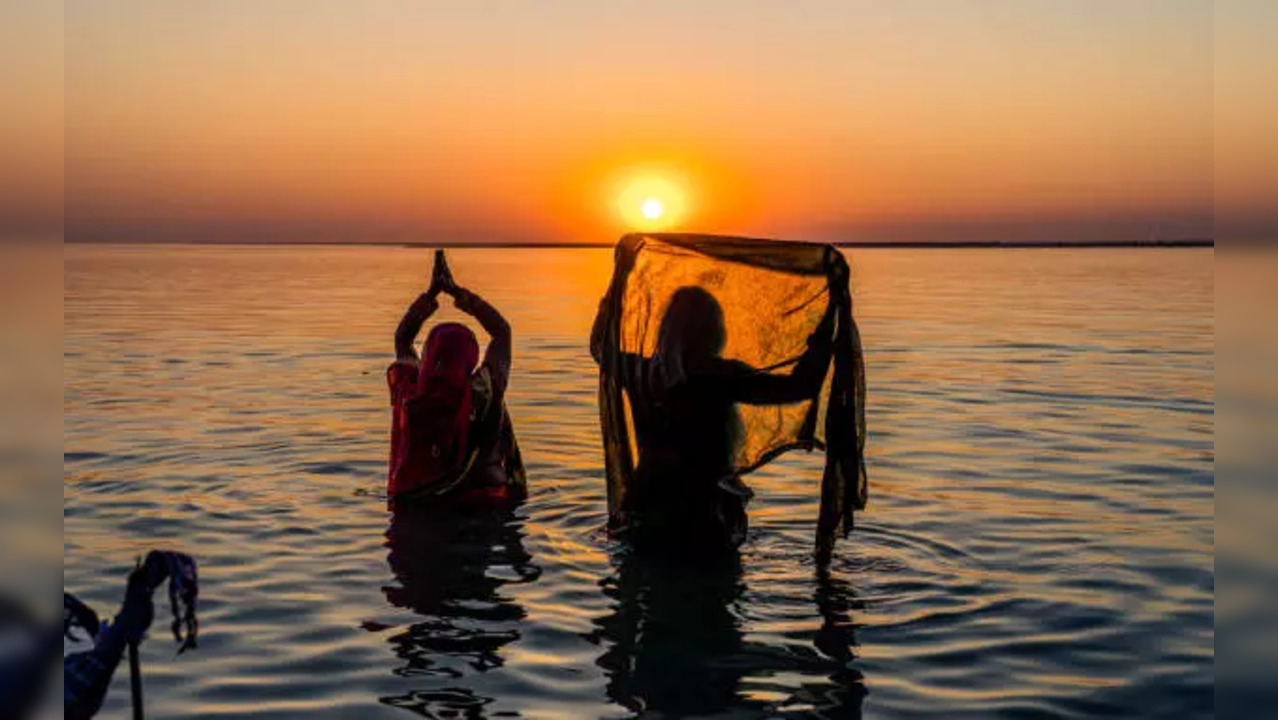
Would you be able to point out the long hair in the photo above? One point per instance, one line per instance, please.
(692, 330)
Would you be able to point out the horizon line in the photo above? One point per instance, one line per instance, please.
(855, 244)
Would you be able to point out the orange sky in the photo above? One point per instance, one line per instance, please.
(505, 121)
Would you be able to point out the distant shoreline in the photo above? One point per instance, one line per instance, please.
(854, 244)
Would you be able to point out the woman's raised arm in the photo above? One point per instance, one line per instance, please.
(411, 324)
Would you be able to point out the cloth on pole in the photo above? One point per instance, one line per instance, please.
(184, 592)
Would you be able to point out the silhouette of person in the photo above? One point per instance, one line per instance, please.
(686, 495)
(440, 558)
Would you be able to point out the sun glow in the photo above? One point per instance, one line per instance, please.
(651, 203)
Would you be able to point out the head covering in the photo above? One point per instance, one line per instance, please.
(449, 357)
(439, 413)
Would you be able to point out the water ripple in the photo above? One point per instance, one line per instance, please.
(1039, 539)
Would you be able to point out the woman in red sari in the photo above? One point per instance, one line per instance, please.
(451, 438)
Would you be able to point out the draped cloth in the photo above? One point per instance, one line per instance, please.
(184, 593)
(774, 296)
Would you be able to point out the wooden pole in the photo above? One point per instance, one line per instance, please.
(135, 680)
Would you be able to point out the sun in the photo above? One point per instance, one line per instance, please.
(652, 208)
(651, 202)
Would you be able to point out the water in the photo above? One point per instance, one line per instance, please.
(1039, 537)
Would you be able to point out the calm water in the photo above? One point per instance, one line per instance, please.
(1039, 537)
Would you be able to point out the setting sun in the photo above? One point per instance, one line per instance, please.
(651, 208)
(652, 201)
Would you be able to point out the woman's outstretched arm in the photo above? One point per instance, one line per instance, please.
(411, 324)
(743, 383)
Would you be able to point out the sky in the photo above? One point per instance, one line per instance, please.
(493, 121)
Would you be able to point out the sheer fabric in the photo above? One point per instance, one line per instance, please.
(772, 298)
